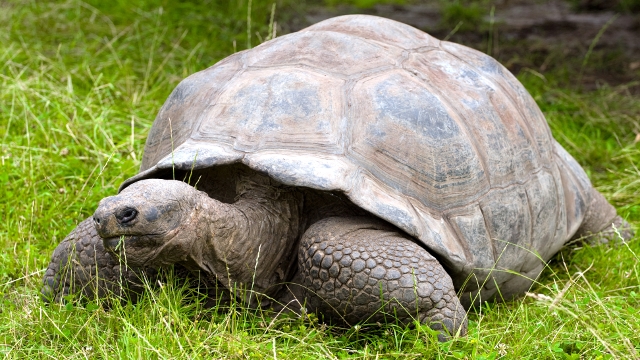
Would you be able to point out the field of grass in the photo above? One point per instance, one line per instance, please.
(80, 84)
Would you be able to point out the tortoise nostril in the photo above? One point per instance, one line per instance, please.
(126, 215)
(96, 220)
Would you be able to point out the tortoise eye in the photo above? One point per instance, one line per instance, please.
(126, 216)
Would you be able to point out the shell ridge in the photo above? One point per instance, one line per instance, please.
(370, 25)
(561, 207)
(481, 258)
(531, 224)
(415, 210)
(545, 217)
(521, 119)
(216, 96)
(497, 187)
(463, 244)
(531, 220)
(328, 49)
(491, 239)
(306, 67)
(564, 155)
(361, 38)
(423, 49)
(346, 133)
(355, 76)
(569, 173)
(194, 91)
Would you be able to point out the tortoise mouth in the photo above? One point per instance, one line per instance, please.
(140, 250)
(124, 247)
(117, 244)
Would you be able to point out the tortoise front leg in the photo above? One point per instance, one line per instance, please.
(81, 265)
(360, 269)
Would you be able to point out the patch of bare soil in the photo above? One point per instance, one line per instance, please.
(538, 36)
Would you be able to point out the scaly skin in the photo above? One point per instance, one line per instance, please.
(361, 269)
(615, 232)
(351, 269)
(80, 264)
(162, 223)
(601, 224)
(244, 246)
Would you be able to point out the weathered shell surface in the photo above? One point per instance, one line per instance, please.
(434, 137)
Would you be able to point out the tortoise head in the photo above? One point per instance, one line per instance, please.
(148, 218)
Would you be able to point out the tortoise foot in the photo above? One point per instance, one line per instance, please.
(618, 231)
(363, 270)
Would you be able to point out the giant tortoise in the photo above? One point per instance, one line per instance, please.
(359, 166)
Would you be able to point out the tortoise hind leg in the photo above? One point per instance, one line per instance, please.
(601, 224)
(360, 269)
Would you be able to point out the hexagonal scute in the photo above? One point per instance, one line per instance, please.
(488, 112)
(284, 109)
(406, 136)
(176, 120)
(491, 69)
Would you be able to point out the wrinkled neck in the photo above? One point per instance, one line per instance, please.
(248, 244)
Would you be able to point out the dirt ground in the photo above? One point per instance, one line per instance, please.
(540, 36)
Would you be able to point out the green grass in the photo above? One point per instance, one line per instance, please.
(78, 93)
(462, 15)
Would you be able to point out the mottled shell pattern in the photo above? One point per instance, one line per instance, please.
(434, 137)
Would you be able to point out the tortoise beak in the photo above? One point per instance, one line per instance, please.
(101, 223)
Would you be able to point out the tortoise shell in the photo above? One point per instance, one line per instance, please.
(434, 137)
